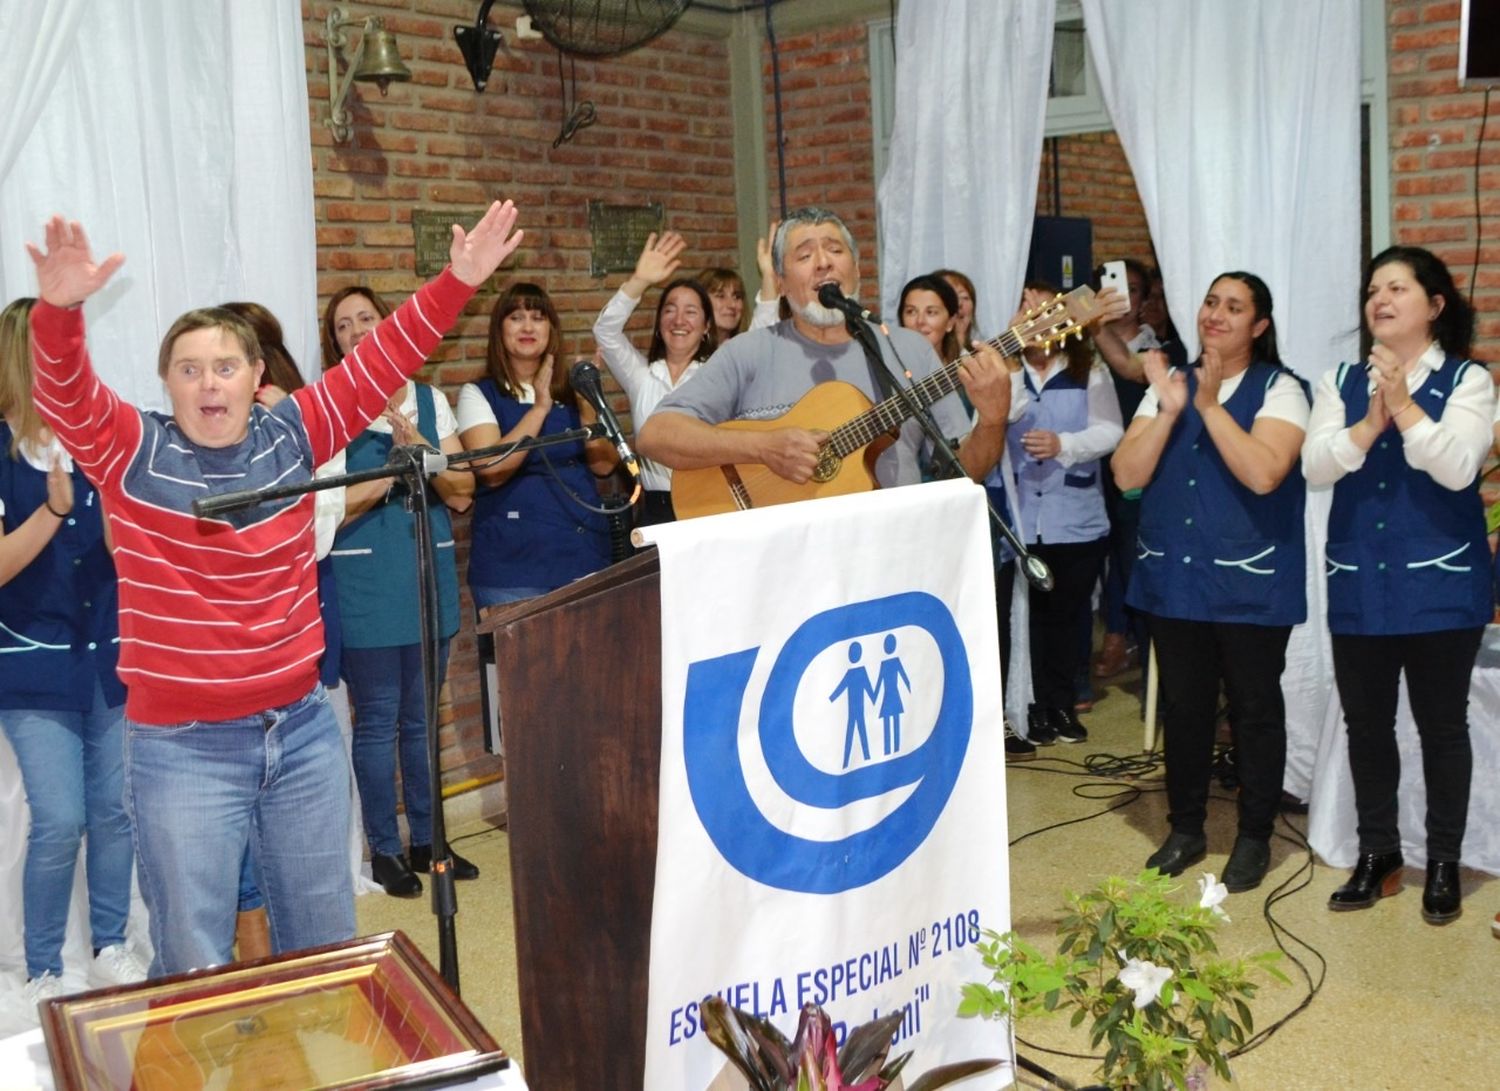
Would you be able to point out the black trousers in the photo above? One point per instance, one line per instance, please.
(1192, 658)
(1438, 665)
(1055, 617)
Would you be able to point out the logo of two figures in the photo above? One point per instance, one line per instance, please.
(885, 693)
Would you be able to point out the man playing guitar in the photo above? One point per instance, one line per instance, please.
(761, 375)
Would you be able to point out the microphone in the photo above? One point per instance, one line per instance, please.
(831, 297)
(585, 379)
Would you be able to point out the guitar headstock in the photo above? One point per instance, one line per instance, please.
(1061, 317)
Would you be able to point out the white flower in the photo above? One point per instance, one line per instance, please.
(1145, 979)
(1213, 893)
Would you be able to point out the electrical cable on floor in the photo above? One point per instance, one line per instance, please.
(1278, 930)
(477, 833)
(1129, 768)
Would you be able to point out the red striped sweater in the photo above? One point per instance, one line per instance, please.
(219, 618)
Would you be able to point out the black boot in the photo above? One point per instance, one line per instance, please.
(1247, 864)
(1377, 875)
(421, 860)
(392, 873)
(1441, 897)
(1179, 852)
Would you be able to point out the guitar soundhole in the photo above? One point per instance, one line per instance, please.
(828, 466)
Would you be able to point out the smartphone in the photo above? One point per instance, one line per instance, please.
(1114, 277)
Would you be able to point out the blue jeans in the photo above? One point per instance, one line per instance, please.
(199, 792)
(390, 718)
(495, 596)
(72, 769)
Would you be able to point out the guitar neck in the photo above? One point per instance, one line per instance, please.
(891, 413)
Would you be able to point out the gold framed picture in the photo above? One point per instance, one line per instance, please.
(369, 1013)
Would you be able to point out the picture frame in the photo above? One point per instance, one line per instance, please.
(368, 1013)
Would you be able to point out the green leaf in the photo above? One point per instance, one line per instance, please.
(1195, 988)
(1245, 1019)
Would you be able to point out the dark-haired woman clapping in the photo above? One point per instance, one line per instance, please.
(1220, 571)
(1402, 440)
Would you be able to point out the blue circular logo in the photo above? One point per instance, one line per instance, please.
(716, 694)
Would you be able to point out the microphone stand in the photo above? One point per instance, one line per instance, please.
(1034, 568)
(413, 465)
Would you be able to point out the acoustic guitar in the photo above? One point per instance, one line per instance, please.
(846, 462)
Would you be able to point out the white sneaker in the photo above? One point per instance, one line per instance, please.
(38, 989)
(116, 965)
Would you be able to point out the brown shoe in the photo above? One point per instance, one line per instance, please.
(1114, 656)
(1495, 926)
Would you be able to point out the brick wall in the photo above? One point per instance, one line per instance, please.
(663, 134)
(827, 147)
(1438, 198)
(1435, 131)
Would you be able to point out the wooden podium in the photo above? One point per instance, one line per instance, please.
(580, 696)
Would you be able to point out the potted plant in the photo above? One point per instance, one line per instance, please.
(1143, 966)
(812, 1061)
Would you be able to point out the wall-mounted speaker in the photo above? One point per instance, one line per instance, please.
(1479, 43)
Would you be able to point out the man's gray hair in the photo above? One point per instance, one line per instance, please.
(808, 216)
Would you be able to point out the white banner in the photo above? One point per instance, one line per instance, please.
(833, 773)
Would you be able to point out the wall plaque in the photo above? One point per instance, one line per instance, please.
(432, 235)
(618, 233)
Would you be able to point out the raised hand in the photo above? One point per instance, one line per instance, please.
(764, 261)
(477, 253)
(1031, 299)
(1112, 305)
(660, 258)
(66, 272)
(1170, 386)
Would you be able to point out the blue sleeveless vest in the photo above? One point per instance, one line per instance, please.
(59, 616)
(1056, 503)
(375, 557)
(528, 532)
(1209, 549)
(1405, 554)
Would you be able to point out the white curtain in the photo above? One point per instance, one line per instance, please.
(1241, 124)
(41, 35)
(176, 132)
(960, 190)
